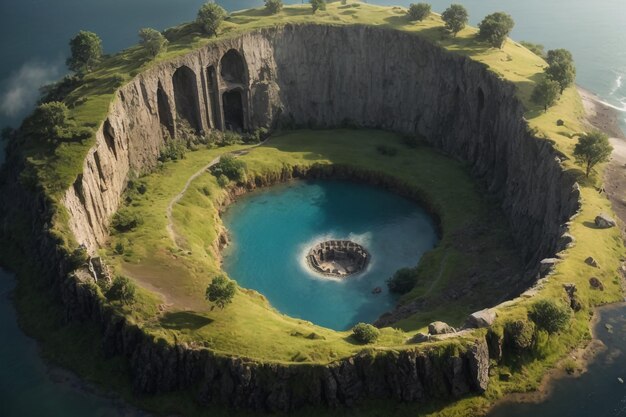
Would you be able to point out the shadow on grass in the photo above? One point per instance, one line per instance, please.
(184, 320)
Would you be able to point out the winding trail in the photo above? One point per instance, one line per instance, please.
(170, 207)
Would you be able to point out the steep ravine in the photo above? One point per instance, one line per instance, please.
(320, 76)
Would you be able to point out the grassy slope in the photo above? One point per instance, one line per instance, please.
(56, 170)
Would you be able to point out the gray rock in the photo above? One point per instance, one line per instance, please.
(439, 327)
(592, 262)
(566, 241)
(596, 284)
(604, 221)
(420, 338)
(546, 266)
(480, 319)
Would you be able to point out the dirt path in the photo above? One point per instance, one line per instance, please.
(170, 207)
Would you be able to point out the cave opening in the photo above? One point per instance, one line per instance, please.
(186, 97)
(233, 110)
(233, 67)
(164, 110)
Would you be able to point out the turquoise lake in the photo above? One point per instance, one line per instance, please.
(33, 41)
(273, 229)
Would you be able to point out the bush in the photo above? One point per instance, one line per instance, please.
(259, 135)
(172, 151)
(549, 315)
(58, 91)
(536, 48)
(125, 220)
(210, 17)
(402, 281)
(79, 257)
(419, 11)
(519, 334)
(152, 40)
(223, 181)
(387, 150)
(234, 169)
(273, 6)
(122, 289)
(221, 291)
(365, 333)
(318, 5)
(48, 121)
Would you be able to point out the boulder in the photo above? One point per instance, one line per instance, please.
(420, 338)
(439, 327)
(591, 262)
(480, 319)
(546, 266)
(596, 284)
(604, 221)
(566, 241)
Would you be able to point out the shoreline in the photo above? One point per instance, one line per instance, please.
(600, 115)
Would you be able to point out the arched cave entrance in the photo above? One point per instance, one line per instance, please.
(233, 110)
(165, 112)
(186, 96)
(233, 68)
(214, 95)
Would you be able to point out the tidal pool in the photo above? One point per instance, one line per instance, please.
(273, 229)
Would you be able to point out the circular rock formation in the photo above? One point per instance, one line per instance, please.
(338, 258)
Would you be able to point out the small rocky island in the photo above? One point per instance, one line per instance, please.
(338, 258)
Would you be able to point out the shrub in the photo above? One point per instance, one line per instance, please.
(234, 169)
(536, 48)
(210, 17)
(419, 11)
(273, 6)
(119, 248)
(455, 18)
(231, 138)
(152, 40)
(549, 315)
(402, 281)
(58, 91)
(318, 5)
(172, 151)
(221, 291)
(223, 181)
(122, 289)
(365, 333)
(79, 257)
(125, 220)
(48, 120)
(495, 28)
(519, 334)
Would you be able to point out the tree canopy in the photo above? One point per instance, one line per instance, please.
(273, 6)
(86, 51)
(419, 11)
(152, 40)
(122, 289)
(210, 17)
(561, 67)
(545, 93)
(221, 291)
(365, 333)
(592, 148)
(455, 18)
(318, 5)
(495, 28)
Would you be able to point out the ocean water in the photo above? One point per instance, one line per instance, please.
(273, 229)
(33, 41)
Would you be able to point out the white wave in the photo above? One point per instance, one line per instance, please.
(620, 109)
(363, 239)
(617, 84)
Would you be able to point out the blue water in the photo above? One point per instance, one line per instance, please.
(33, 41)
(273, 229)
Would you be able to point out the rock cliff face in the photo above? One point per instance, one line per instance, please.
(320, 76)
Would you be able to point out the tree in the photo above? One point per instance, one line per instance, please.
(419, 11)
(210, 17)
(274, 6)
(592, 148)
(561, 67)
(318, 5)
(495, 28)
(152, 40)
(545, 93)
(122, 289)
(86, 51)
(365, 333)
(549, 315)
(221, 291)
(455, 18)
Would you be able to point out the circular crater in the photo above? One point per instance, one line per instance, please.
(338, 258)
